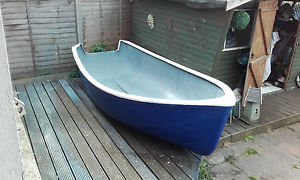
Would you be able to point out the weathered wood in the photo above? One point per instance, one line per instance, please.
(95, 143)
(236, 126)
(152, 146)
(260, 45)
(81, 144)
(229, 129)
(278, 109)
(243, 124)
(59, 160)
(30, 35)
(225, 133)
(39, 146)
(35, 23)
(128, 152)
(144, 154)
(70, 102)
(76, 164)
(277, 105)
(78, 22)
(103, 21)
(106, 141)
(182, 158)
(289, 101)
(181, 163)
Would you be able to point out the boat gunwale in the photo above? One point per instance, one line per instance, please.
(227, 100)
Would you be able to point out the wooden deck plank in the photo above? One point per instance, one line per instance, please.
(108, 166)
(59, 160)
(128, 152)
(39, 147)
(280, 107)
(149, 160)
(70, 151)
(290, 101)
(225, 133)
(182, 158)
(287, 100)
(119, 159)
(269, 112)
(151, 145)
(236, 126)
(243, 124)
(229, 129)
(79, 140)
(144, 154)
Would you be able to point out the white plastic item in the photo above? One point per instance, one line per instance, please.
(274, 40)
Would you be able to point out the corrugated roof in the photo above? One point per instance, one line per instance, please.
(204, 4)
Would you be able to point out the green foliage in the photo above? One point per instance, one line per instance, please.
(249, 138)
(231, 159)
(74, 74)
(295, 166)
(99, 48)
(205, 171)
(249, 152)
(252, 178)
(240, 20)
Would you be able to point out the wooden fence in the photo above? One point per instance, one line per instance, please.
(40, 33)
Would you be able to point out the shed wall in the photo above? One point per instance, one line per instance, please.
(186, 36)
(227, 68)
(40, 33)
(295, 70)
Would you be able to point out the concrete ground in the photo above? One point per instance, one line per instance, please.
(271, 156)
(29, 167)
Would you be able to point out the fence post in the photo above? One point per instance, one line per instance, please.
(78, 22)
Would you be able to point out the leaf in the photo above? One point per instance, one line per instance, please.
(249, 152)
(205, 171)
(252, 178)
(295, 166)
(249, 138)
(99, 48)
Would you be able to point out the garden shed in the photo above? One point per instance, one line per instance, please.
(195, 34)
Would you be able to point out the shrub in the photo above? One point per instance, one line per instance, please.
(99, 48)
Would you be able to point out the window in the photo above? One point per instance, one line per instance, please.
(240, 38)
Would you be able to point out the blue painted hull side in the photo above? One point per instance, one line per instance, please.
(197, 128)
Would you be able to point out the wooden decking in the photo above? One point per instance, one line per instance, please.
(278, 109)
(72, 139)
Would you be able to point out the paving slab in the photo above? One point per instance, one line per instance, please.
(228, 171)
(277, 157)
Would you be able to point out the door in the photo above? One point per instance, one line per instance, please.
(260, 45)
(296, 45)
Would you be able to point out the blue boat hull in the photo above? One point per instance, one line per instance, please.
(157, 96)
(197, 128)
